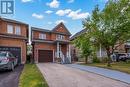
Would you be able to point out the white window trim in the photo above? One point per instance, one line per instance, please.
(18, 30)
(10, 29)
(60, 37)
(42, 36)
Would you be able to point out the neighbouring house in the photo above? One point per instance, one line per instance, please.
(14, 38)
(51, 45)
(122, 48)
(127, 47)
(75, 52)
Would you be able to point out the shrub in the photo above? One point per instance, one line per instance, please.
(96, 60)
(128, 61)
(104, 60)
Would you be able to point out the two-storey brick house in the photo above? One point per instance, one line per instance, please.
(51, 45)
(101, 52)
(14, 38)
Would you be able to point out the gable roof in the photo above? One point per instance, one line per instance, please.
(61, 24)
(53, 30)
(39, 29)
(12, 21)
(78, 34)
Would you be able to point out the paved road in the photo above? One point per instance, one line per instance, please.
(58, 75)
(105, 72)
(10, 78)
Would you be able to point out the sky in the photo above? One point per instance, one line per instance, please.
(47, 14)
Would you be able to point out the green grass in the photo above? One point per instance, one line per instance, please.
(32, 77)
(119, 66)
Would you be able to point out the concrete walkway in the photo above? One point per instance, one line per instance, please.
(58, 75)
(117, 75)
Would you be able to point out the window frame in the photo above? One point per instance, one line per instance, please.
(60, 37)
(42, 36)
(10, 29)
(17, 30)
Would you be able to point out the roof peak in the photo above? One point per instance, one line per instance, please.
(53, 30)
(58, 25)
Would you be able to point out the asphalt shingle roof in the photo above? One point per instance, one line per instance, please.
(78, 34)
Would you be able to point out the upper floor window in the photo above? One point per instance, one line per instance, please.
(10, 29)
(17, 30)
(60, 37)
(42, 36)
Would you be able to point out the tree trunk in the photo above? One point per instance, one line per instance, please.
(86, 60)
(109, 57)
(109, 62)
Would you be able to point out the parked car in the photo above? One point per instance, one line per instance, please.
(128, 55)
(7, 60)
(123, 56)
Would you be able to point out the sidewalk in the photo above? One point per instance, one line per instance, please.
(117, 75)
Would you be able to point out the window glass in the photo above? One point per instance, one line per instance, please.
(10, 55)
(42, 36)
(2, 54)
(10, 29)
(17, 30)
(60, 37)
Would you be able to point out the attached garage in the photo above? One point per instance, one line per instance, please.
(16, 51)
(45, 56)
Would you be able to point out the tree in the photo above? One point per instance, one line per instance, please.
(84, 44)
(110, 25)
(29, 49)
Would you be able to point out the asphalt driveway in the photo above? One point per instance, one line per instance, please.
(10, 78)
(58, 75)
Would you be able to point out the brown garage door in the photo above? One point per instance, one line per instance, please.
(45, 56)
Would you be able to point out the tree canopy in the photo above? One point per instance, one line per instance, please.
(109, 26)
(84, 44)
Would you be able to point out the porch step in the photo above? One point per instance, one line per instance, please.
(67, 61)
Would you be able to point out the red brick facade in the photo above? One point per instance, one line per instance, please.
(12, 39)
(56, 39)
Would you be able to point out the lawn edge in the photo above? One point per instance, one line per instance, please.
(42, 75)
(19, 83)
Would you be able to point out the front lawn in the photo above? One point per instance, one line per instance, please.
(120, 66)
(32, 77)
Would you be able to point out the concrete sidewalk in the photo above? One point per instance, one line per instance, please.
(117, 75)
